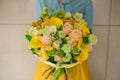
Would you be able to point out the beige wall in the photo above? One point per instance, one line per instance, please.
(16, 62)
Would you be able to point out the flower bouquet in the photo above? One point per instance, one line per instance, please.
(60, 39)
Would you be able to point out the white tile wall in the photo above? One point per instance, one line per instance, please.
(17, 64)
(97, 59)
(16, 11)
(101, 12)
(115, 12)
(114, 54)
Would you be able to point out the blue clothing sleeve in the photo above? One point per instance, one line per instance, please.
(38, 7)
(88, 14)
(41, 4)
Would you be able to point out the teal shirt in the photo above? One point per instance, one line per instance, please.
(73, 6)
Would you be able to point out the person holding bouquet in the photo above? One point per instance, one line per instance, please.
(80, 71)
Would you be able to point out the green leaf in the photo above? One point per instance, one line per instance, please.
(52, 52)
(55, 37)
(90, 31)
(85, 40)
(75, 51)
(28, 37)
(57, 73)
(59, 64)
(35, 51)
(51, 59)
(61, 53)
(64, 41)
(67, 71)
(53, 14)
(44, 13)
(60, 28)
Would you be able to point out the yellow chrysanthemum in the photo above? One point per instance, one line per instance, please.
(56, 21)
(83, 55)
(35, 42)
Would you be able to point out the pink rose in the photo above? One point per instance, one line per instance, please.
(67, 28)
(57, 58)
(46, 39)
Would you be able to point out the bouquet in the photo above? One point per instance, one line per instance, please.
(60, 39)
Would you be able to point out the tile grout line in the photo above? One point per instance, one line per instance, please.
(107, 56)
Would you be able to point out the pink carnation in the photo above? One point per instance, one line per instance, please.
(67, 28)
(46, 39)
(57, 58)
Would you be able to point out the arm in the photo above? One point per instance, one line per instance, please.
(88, 13)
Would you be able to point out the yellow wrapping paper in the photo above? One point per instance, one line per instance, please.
(78, 72)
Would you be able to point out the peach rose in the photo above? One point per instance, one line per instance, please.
(76, 35)
(67, 28)
(71, 41)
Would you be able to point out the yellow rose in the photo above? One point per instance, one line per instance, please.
(83, 27)
(84, 52)
(56, 21)
(82, 56)
(46, 22)
(79, 44)
(35, 42)
(44, 54)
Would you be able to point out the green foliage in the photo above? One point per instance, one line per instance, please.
(57, 73)
(85, 40)
(75, 51)
(35, 51)
(67, 58)
(28, 36)
(51, 59)
(59, 13)
(61, 53)
(67, 71)
(60, 28)
(52, 52)
(64, 41)
(55, 37)
(44, 13)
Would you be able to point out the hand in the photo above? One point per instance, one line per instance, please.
(62, 1)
